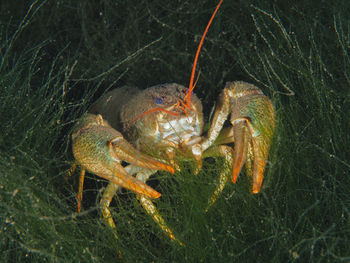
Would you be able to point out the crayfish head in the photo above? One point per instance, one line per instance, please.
(158, 115)
(163, 101)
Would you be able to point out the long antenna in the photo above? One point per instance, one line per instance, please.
(187, 98)
(186, 104)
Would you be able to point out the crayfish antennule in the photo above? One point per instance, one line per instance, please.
(191, 86)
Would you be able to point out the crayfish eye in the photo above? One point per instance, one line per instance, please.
(158, 101)
(186, 92)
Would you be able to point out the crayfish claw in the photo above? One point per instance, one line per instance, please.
(251, 115)
(241, 137)
(252, 118)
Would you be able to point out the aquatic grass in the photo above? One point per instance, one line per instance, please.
(59, 56)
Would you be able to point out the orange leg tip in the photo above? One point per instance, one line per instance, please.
(154, 194)
(79, 203)
(236, 172)
(157, 195)
(234, 178)
(171, 170)
(151, 193)
(164, 167)
(256, 189)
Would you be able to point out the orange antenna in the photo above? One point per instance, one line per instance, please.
(187, 98)
(186, 104)
(153, 110)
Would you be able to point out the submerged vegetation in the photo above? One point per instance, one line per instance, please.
(57, 57)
